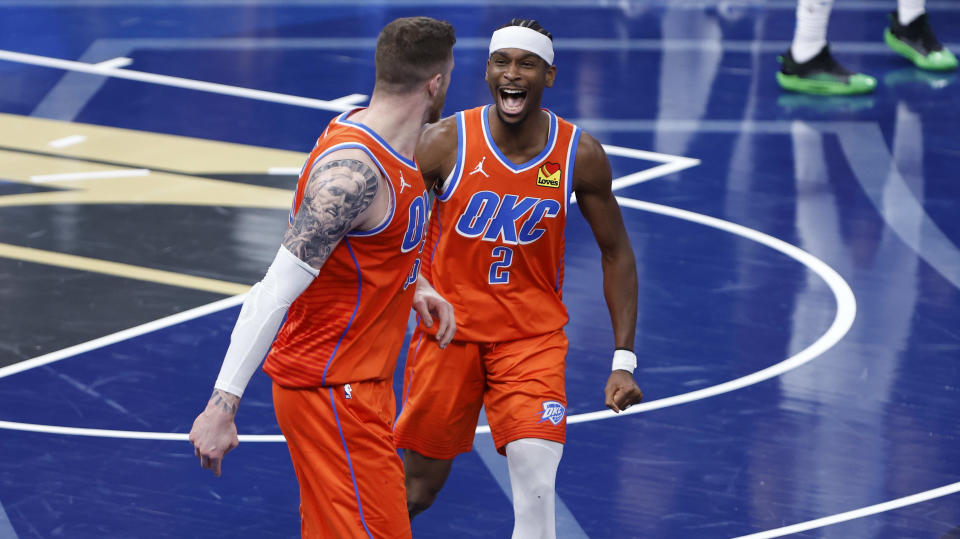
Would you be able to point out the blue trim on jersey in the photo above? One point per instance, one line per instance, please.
(551, 142)
(461, 155)
(343, 119)
(571, 161)
(323, 379)
(353, 477)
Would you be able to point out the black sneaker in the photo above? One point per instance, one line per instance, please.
(822, 75)
(917, 43)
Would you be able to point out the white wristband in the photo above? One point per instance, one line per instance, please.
(624, 360)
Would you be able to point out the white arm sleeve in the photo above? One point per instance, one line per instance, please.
(260, 317)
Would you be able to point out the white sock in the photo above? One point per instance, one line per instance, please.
(533, 474)
(908, 10)
(810, 35)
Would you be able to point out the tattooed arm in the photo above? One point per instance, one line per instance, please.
(342, 194)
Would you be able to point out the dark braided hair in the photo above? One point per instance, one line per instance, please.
(528, 23)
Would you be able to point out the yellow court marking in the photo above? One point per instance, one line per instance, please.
(142, 149)
(117, 269)
(114, 150)
(155, 188)
(176, 165)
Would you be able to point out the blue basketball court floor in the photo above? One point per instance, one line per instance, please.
(798, 332)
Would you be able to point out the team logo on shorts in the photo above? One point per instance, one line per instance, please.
(549, 175)
(553, 412)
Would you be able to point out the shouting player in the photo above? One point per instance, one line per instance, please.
(495, 251)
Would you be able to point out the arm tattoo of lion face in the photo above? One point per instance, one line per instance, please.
(337, 192)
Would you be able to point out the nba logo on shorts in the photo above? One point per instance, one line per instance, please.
(553, 411)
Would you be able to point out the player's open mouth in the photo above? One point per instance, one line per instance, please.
(512, 100)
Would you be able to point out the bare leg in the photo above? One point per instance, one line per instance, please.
(424, 477)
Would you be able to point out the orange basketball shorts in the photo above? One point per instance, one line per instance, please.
(521, 384)
(341, 445)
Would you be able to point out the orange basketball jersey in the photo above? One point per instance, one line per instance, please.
(495, 244)
(348, 326)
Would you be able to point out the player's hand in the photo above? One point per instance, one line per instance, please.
(621, 391)
(429, 304)
(214, 432)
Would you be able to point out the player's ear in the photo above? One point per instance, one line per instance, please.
(551, 76)
(434, 84)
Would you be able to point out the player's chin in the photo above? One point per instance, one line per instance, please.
(512, 118)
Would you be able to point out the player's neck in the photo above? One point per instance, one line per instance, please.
(525, 138)
(398, 119)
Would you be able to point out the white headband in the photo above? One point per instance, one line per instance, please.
(521, 37)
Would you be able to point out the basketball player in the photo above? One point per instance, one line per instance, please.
(808, 66)
(495, 251)
(344, 277)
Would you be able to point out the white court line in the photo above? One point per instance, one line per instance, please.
(670, 164)
(115, 63)
(72, 140)
(352, 99)
(846, 312)
(177, 82)
(852, 5)
(126, 334)
(646, 155)
(283, 171)
(95, 175)
(678, 164)
(126, 434)
(857, 513)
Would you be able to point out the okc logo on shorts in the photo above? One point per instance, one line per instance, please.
(553, 411)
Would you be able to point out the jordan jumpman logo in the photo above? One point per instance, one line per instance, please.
(479, 168)
(403, 184)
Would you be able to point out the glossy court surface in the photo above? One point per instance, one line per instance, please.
(798, 332)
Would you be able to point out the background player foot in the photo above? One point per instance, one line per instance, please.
(822, 75)
(917, 43)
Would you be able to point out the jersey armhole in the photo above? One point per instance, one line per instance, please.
(450, 183)
(571, 161)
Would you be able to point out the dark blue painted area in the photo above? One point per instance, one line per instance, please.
(156, 383)
(691, 308)
(63, 486)
(13, 188)
(872, 419)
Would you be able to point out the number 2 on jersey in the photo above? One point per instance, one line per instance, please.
(503, 257)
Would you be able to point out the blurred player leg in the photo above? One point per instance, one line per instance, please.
(911, 35)
(808, 67)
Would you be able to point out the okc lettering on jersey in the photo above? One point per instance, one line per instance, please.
(488, 216)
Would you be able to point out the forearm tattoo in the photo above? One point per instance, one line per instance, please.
(226, 404)
(337, 192)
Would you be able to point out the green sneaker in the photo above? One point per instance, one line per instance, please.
(822, 75)
(916, 42)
